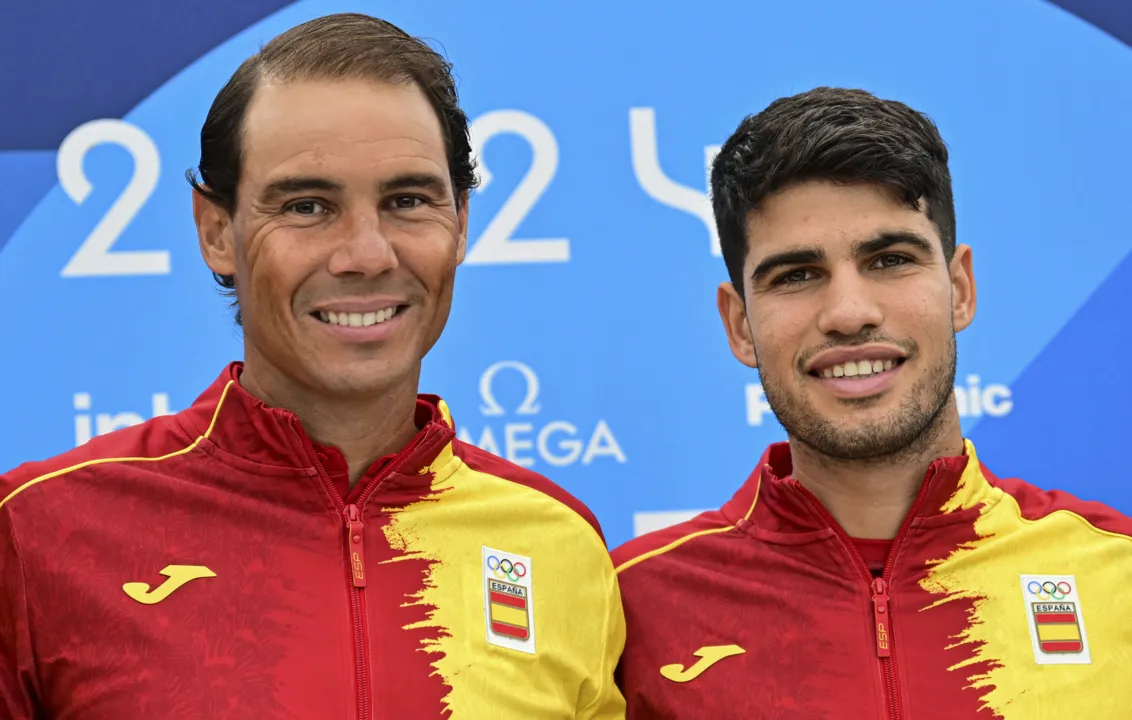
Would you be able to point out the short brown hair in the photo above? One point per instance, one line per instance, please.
(836, 134)
(334, 47)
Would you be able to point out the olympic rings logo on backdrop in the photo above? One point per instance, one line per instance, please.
(505, 569)
(1049, 590)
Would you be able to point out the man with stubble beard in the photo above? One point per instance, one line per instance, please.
(871, 566)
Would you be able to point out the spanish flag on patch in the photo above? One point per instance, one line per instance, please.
(1058, 631)
(509, 613)
(1057, 622)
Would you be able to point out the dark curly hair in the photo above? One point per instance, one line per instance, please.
(841, 135)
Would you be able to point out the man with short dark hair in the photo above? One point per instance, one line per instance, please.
(309, 539)
(871, 566)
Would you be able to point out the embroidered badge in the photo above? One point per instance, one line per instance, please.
(508, 602)
(1057, 626)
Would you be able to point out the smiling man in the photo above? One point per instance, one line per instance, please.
(309, 539)
(871, 566)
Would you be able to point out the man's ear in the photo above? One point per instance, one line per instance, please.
(215, 235)
(733, 312)
(963, 295)
(462, 228)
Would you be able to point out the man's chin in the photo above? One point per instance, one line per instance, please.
(854, 445)
(357, 378)
(850, 413)
(867, 434)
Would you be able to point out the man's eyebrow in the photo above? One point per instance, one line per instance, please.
(889, 238)
(416, 180)
(816, 255)
(800, 256)
(298, 183)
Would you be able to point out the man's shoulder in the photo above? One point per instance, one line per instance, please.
(151, 440)
(660, 550)
(1035, 504)
(493, 466)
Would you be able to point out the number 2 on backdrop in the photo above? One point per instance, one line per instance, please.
(496, 245)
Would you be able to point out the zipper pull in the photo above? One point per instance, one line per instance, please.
(881, 618)
(356, 543)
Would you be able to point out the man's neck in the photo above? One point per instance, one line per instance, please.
(363, 428)
(871, 498)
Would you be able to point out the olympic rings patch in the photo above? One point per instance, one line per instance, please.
(508, 599)
(1049, 590)
(1056, 619)
(505, 569)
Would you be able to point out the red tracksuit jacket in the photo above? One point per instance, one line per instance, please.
(996, 600)
(216, 564)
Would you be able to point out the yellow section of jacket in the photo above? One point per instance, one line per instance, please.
(578, 623)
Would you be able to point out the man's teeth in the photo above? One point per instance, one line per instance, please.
(858, 369)
(357, 319)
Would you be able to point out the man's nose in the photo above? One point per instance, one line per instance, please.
(848, 306)
(364, 248)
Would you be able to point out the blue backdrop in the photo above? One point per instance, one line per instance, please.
(584, 340)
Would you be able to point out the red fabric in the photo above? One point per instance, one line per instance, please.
(334, 462)
(1036, 503)
(874, 553)
(274, 634)
(771, 574)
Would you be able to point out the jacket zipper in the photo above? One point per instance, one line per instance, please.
(878, 591)
(356, 560)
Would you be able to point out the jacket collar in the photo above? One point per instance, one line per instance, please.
(228, 417)
(772, 500)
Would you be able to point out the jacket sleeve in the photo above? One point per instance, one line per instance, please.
(17, 670)
(605, 701)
